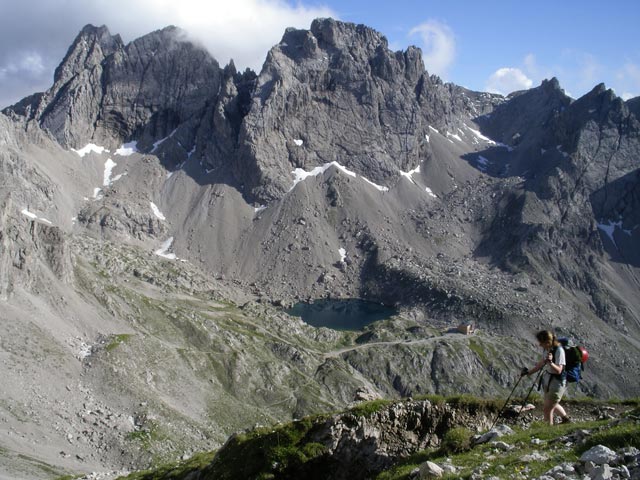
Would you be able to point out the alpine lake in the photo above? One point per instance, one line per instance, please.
(345, 314)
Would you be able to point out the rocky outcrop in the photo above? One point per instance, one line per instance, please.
(579, 162)
(354, 445)
(106, 92)
(336, 93)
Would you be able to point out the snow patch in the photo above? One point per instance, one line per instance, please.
(298, 142)
(503, 145)
(300, 174)
(454, 135)
(164, 248)
(127, 149)
(162, 140)
(88, 148)
(108, 168)
(410, 173)
(28, 213)
(483, 163)
(379, 187)
(427, 137)
(96, 191)
(343, 254)
(84, 352)
(33, 216)
(433, 129)
(559, 149)
(259, 209)
(157, 212)
(478, 134)
(609, 228)
(430, 192)
(191, 152)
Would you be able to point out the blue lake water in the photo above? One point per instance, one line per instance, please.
(349, 314)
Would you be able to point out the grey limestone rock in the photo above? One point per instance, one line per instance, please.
(106, 92)
(599, 455)
(430, 470)
(336, 93)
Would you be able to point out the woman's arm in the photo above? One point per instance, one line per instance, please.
(557, 369)
(537, 367)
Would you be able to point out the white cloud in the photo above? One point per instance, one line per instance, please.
(240, 29)
(23, 64)
(438, 46)
(506, 80)
(628, 80)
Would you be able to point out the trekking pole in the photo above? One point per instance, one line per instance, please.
(505, 403)
(529, 393)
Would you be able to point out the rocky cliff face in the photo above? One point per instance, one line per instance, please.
(336, 93)
(342, 169)
(354, 444)
(106, 92)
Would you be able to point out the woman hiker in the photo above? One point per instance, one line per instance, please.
(553, 381)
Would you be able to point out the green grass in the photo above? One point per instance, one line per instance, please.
(147, 436)
(477, 348)
(433, 398)
(469, 401)
(367, 409)
(267, 452)
(116, 340)
(174, 470)
(504, 465)
(624, 435)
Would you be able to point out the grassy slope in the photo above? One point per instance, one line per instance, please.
(277, 452)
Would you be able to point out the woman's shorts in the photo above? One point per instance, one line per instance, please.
(554, 389)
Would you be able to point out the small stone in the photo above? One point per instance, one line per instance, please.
(449, 469)
(430, 470)
(534, 457)
(505, 447)
(602, 472)
(589, 467)
(599, 455)
(623, 471)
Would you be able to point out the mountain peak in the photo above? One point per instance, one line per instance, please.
(90, 47)
(340, 34)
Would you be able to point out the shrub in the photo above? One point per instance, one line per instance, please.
(433, 398)
(366, 409)
(620, 436)
(456, 440)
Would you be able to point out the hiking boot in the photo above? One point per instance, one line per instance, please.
(565, 420)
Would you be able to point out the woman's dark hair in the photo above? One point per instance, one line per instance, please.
(547, 336)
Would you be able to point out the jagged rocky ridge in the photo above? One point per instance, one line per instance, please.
(516, 213)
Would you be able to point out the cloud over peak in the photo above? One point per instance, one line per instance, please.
(438, 46)
(506, 80)
(35, 37)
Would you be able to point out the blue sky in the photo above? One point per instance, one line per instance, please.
(582, 43)
(493, 45)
